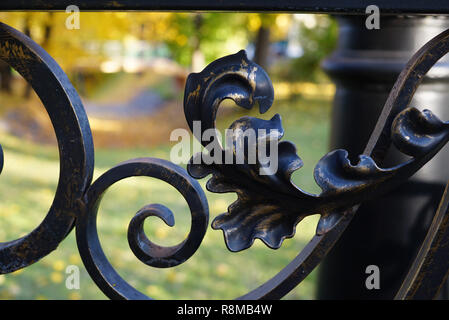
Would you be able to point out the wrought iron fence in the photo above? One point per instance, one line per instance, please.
(268, 207)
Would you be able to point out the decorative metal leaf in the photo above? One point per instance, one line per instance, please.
(262, 209)
(269, 205)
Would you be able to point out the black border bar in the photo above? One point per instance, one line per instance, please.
(434, 7)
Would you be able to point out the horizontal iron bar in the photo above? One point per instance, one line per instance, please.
(313, 6)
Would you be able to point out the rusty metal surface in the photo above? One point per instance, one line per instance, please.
(268, 206)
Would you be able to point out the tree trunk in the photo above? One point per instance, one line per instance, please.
(47, 34)
(198, 60)
(262, 46)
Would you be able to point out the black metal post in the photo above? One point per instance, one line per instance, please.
(385, 232)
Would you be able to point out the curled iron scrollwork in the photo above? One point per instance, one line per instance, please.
(76, 200)
(268, 206)
(76, 152)
(98, 266)
(416, 133)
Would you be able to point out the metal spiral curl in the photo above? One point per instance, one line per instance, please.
(419, 134)
(99, 268)
(268, 208)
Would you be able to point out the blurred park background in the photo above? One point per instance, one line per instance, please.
(130, 71)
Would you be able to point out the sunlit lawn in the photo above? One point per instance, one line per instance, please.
(29, 180)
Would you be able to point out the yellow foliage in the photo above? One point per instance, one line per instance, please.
(56, 277)
(58, 265)
(83, 48)
(74, 296)
(153, 290)
(254, 22)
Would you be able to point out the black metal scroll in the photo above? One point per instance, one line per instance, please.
(75, 144)
(269, 205)
(76, 200)
(101, 271)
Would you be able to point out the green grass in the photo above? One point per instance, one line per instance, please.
(29, 180)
